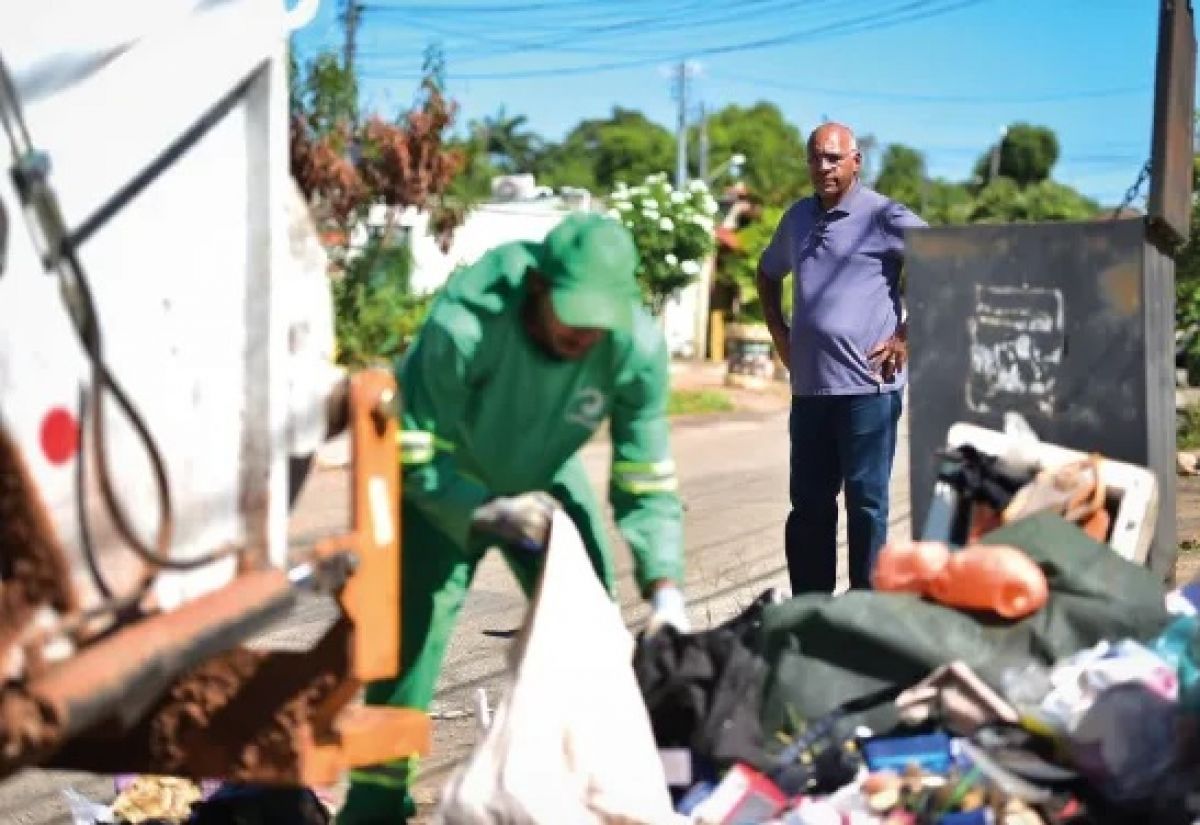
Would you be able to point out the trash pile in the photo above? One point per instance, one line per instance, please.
(165, 800)
(1018, 671)
(1018, 665)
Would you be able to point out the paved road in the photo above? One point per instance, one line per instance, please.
(733, 475)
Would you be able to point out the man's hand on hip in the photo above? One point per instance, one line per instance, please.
(521, 521)
(889, 358)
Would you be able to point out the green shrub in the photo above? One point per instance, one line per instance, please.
(673, 231)
(1187, 324)
(376, 313)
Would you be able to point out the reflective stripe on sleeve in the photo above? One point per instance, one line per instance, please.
(639, 477)
(416, 447)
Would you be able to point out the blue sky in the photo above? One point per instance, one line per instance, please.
(943, 76)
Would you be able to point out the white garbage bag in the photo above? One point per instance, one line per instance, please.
(571, 741)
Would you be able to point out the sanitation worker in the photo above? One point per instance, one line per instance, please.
(524, 355)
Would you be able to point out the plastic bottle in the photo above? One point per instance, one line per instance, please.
(980, 577)
(909, 567)
(992, 577)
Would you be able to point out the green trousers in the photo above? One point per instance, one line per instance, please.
(436, 575)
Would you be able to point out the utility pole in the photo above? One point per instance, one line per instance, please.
(352, 9)
(681, 96)
(703, 143)
(994, 168)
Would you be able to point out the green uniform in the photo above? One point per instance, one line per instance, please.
(487, 413)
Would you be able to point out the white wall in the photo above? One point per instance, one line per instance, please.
(492, 224)
(487, 226)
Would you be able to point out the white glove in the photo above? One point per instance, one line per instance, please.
(667, 607)
(521, 521)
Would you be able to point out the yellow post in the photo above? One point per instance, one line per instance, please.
(716, 336)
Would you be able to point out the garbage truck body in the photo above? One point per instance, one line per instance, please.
(165, 364)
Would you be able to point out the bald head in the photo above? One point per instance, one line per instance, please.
(833, 162)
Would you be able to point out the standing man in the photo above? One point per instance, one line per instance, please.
(846, 349)
(522, 358)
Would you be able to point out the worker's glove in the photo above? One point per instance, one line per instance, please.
(667, 607)
(521, 521)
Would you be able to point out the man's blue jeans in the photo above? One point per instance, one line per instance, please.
(839, 440)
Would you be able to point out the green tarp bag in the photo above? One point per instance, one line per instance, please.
(826, 652)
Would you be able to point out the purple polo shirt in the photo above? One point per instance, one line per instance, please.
(846, 265)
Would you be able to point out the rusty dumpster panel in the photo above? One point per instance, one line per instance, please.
(1068, 324)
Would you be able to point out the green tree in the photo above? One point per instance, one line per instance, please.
(1050, 200)
(509, 145)
(376, 312)
(344, 166)
(902, 175)
(1187, 259)
(776, 168)
(474, 183)
(1027, 155)
(1004, 201)
(946, 203)
(599, 153)
(326, 95)
(741, 268)
(560, 165)
(998, 202)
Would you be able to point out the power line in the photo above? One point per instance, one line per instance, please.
(505, 9)
(575, 23)
(909, 12)
(904, 97)
(510, 46)
(913, 11)
(567, 38)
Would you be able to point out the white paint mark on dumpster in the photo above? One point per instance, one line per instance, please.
(1017, 344)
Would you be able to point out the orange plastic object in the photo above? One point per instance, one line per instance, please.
(909, 567)
(981, 577)
(992, 577)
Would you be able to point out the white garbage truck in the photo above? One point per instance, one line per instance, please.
(165, 367)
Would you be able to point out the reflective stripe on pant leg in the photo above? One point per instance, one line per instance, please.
(379, 796)
(397, 775)
(435, 578)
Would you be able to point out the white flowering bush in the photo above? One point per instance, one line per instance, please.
(673, 230)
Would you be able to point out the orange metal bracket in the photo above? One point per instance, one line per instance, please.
(371, 598)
